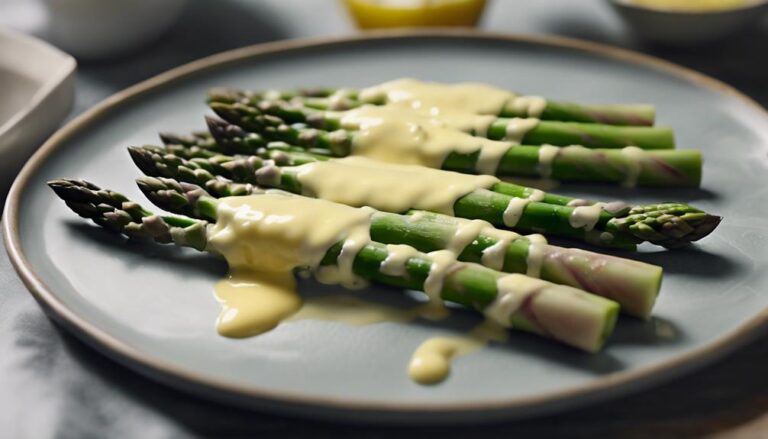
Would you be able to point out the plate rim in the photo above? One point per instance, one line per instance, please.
(615, 384)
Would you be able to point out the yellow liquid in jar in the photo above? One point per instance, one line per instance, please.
(370, 14)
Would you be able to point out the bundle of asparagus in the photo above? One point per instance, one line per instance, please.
(573, 161)
(347, 98)
(273, 139)
(559, 149)
(563, 313)
(617, 225)
(553, 132)
(569, 163)
(634, 285)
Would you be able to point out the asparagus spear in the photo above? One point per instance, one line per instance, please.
(569, 315)
(550, 132)
(201, 139)
(666, 224)
(285, 155)
(678, 168)
(634, 285)
(115, 212)
(199, 145)
(343, 99)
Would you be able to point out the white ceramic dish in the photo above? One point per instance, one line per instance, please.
(37, 89)
(687, 28)
(97, 29)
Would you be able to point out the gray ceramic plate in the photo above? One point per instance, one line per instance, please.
(152, 308)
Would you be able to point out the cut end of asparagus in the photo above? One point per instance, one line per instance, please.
(669, 225)
(573, 317)
(611, 317)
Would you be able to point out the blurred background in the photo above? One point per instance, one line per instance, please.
(120, 42)
(53, 386)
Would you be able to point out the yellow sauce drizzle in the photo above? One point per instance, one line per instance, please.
(466, 232)
(471, 97)
(341, 273)
(586, 217)
(514, 211)
(400, 135)
(518, 128)
(263, 238)
(254, 303)
(431, 362)
(493, 256)
(442, 262)
(421, 122)
(531, 106)
(397, 257)
(388, 187)
(633, 159)
(536, 251)
(547, 155)
(354, 311)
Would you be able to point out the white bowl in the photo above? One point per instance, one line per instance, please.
(37, 89)
(687, 27)
(95, 29)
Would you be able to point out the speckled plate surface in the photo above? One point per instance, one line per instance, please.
(152, 307)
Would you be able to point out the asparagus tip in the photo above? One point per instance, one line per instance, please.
(65, 188)
(224, 95)
(142, 157)
(670, 225)
(170, 138)
(702, 226)
(113, 211)
(224, 110)
(217, 125)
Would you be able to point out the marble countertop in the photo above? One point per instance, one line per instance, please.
(53, 386)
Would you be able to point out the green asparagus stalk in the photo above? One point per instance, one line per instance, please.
(634, 285)
(285, 155)
(666, 224)
(677, 168)
(232, 95)
(202, 144)
(345, 99)
(557, 133)
(589, 319)
(200, 139)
